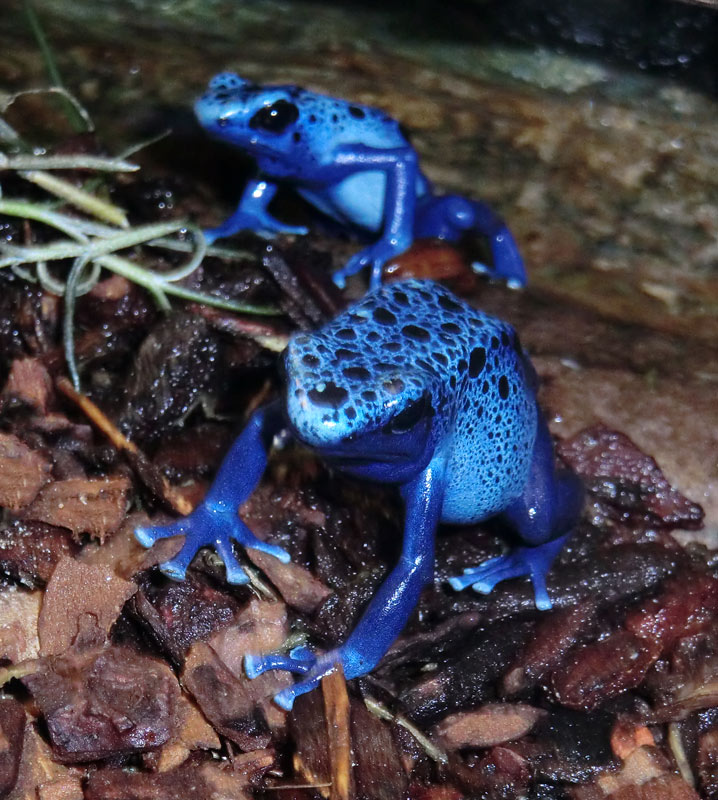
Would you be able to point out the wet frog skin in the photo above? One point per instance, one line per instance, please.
(351, 162)
(409, 386)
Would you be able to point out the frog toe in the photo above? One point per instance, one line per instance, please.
(534, 562)
(299, 661)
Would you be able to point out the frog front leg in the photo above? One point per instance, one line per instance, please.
(252, 214)
(543, 516)
(402, 172)
(215, 521)
(389, 609)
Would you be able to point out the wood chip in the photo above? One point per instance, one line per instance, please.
(493, 723)
(23, 472)
(93, 505)
(75, 591)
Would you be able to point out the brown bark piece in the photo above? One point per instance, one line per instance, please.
(192, 732)
(556, 633)
(230, 703)
(378, 772)
(336, 712)
(38, 770)
(93, 505)
(29, 550)
(688, 604)
(77, 591)
(104, 702)
(204, 781)
(19, 614)
(68, 787)
(597, 672)
(12, 728)
(299, 588)
(631, 480)
(23, 472)
(178, 613)
(28, 383)
(492, 724)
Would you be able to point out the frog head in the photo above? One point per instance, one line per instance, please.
(260, 118)
(359, 399)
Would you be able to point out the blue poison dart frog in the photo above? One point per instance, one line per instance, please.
(410, 386)
(353, 163)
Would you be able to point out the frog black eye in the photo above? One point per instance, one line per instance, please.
(407, 419)
(275, 118)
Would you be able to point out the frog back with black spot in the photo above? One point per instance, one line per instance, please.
(406, 341)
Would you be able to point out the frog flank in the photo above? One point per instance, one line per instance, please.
(414, 387)
(353, 163)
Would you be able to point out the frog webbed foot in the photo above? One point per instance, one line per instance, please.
(374, 257)
(312, 667)
(213, 526)
(261, 223)
(534, 562)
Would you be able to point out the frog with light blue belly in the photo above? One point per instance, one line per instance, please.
(351, 162)
(414, 387)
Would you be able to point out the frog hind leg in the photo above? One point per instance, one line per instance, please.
(450, 216)
(543, 516)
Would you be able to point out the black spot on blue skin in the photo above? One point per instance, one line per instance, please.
(441, 358)
(223, 122)
(480, 412)
(312, 118)
(452, 381)
(373, 337)
(350, 412)
(347, 334)
(335, 118)
(384, 316)
(494, 342)
(477, 362)
(462, 365)
(369, 395)
(401, 298)
(417, 333)
(310, 360)
(448, 303)
(356, 373)
(504, 339)
(485, 387)
(393, 347)
(385, 366)
(356, 112)
(297, 136)
(345, 355)
(503, 387)
(450, 327)
(329, 396)
(430, 368)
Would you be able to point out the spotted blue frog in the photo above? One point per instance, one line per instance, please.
(351, 162)
(414, 387)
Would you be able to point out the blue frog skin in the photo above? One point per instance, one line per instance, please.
(414, 387)
(351, 162)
